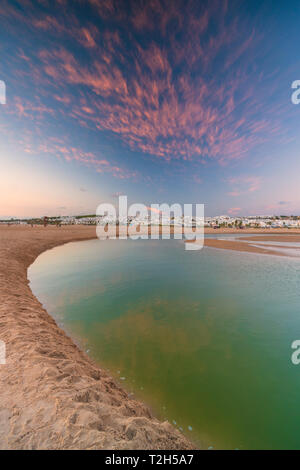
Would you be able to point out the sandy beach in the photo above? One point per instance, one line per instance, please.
(52, 395)
(247, 242)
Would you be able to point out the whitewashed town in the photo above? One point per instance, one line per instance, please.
(222, 221)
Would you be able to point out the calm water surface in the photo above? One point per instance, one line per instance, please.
(203, 337)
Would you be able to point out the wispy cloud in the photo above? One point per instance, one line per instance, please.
(243, 185)
(234, 210)
(65, 150)
(157, 94)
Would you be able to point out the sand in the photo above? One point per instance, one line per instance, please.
(246, 243)
(52, 396)
(279, 237)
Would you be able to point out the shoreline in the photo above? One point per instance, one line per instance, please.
(246, 244)
(53, 396)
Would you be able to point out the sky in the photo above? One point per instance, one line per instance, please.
(181, 101)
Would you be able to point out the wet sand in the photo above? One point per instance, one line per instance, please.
(247, 243)
(291, 238)
(242, 246)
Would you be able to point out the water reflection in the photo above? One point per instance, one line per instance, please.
(203, 337)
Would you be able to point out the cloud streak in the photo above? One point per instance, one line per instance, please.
(243, 185)
(168, 80)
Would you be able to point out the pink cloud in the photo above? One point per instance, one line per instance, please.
(234, 210)
(244, 185)
(62, 149)
(197, 180)
(154, 210)
(160, 98)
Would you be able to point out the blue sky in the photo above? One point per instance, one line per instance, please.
(181, 101)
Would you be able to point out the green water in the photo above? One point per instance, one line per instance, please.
(203, 337)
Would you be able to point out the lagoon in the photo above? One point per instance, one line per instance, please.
(203, 337)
